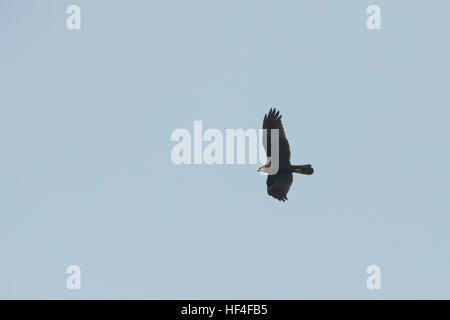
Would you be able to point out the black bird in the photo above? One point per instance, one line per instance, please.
(278, 184)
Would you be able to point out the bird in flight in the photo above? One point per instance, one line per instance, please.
(278, 184)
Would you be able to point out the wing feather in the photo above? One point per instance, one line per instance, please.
(278, 185)
(272, 120)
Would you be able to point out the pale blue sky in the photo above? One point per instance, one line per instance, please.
(85, 171)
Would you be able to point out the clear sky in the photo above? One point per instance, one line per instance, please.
(86, 176)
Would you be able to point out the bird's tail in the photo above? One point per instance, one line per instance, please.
(303, 169)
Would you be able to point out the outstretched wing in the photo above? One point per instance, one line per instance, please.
(278, 185)
(272, 120)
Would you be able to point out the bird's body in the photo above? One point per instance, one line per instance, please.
(278, 184)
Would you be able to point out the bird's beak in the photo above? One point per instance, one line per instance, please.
(264, 166)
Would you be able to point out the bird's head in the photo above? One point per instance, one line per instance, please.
(264, 167)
